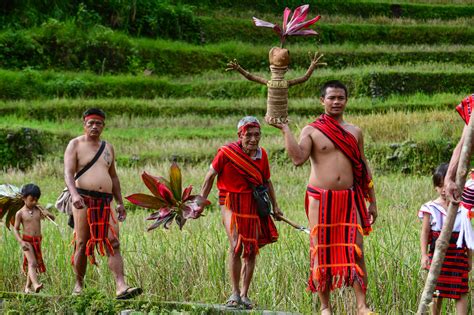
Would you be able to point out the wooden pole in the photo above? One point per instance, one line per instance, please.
(443, 241)
(293, 224)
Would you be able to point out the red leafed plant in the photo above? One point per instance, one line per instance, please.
(169, 199)
(296, 26)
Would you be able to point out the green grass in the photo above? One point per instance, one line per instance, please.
(160, 260)
(413, 142)
(225, 29)
(420, 10)
(102, 51)
(64, 108)
(340, 17)
(378, 81)
(405, 76)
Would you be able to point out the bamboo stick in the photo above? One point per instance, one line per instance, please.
(443, 241)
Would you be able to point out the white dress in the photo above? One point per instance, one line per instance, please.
(462, 223)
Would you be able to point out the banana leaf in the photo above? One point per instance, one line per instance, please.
(10, 203)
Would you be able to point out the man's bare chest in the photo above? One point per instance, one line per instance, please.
(85, 154)
(324, 145)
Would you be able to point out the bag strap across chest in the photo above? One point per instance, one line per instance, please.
(91, 162)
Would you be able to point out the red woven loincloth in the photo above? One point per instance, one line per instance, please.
(253, 231)
(453, 281)
(35, 242)
(333, 241)
(98, 218)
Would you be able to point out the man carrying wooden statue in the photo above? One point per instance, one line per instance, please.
(339, 183)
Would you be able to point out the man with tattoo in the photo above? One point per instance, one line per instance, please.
(92, 193)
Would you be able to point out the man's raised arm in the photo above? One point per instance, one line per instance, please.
(452, 191)
(298, 152)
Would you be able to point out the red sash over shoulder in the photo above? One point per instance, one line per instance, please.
(465, 108)
(243, 163)
(347, 143)
(253, 231)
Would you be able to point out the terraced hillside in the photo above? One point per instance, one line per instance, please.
(158, 70)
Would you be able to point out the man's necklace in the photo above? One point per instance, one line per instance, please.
(30, 212)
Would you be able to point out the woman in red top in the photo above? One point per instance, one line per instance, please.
(239, 166)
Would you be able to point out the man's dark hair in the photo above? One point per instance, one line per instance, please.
(439, 174)
(93, 111)
(333, 84)
(31, 190)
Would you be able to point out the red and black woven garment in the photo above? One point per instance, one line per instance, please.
(253, 231)
(35, 242)
(347, 143)
(98, 218)
(333, 241)
(453, 280)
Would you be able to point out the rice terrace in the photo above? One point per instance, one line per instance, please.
(157, 69)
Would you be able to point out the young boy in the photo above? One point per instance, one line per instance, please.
(454, 277)
(30, 217)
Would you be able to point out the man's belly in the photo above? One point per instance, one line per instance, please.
(331, 179)
(95, 181)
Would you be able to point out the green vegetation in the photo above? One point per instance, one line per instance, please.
(153, 260)
(63, 46)
(363, 9)
(376, 81)
(408, 142)
(157, 69)
(225, 29)
(59, 109)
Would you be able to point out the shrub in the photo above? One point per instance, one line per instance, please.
(21, 148)
(375, 82)
(351, 7)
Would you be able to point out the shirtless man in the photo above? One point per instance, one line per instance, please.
(335, 205)
(92, 194)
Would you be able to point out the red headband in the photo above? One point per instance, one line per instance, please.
(243, 129)
(94, 116)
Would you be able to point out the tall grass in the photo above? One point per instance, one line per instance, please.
(61, 109)
(189, 131)
(377, 81)
(191, 265)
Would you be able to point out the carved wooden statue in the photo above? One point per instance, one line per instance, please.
(277, 100)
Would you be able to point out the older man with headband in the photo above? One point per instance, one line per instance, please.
(92, 191)
(240, 167)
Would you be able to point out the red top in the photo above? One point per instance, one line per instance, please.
(229, 179)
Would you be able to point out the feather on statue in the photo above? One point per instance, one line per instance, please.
(277, 98)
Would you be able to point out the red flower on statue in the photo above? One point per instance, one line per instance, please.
(169, 199)
(296, 26)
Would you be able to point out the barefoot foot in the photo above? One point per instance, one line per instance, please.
(326, 311)
(38, 287)
(77, 289)
(366, 311)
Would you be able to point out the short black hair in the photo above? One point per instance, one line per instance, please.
(439, 174)
(93, 111)
(333, 84)
(30, 190)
